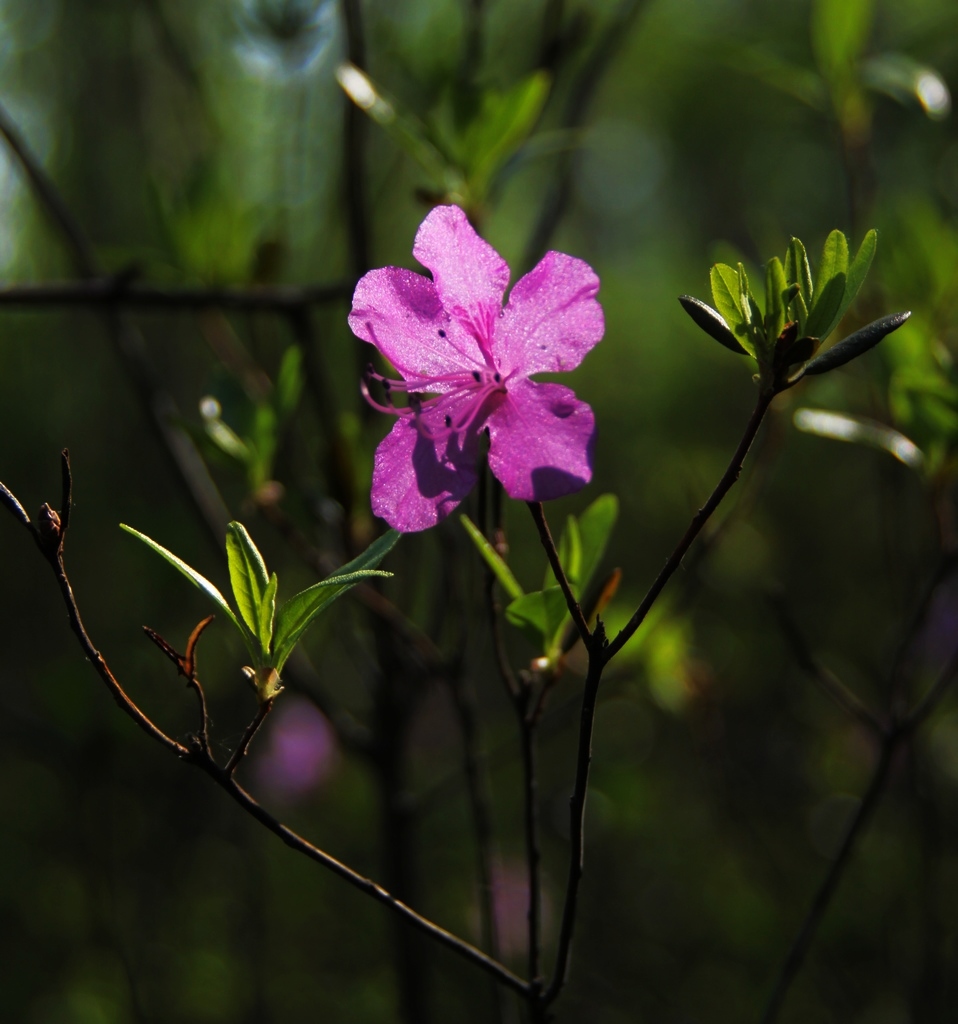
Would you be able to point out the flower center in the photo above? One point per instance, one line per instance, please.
(457, 399)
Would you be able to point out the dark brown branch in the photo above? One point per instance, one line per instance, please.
(577, 803)
(699, 520)
(476, 957)
(226, 781)
(615, 33)
(52, 551)
(545, 535)
(799, 948)
(52, 202)
(827, 681)
(185, 460)
(121, 292)
(533, 854)
(892, 737)
(251, 730)
(930, 701)
(354, 145)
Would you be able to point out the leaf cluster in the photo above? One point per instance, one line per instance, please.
(543, 615)
(270, 633)
(800, 311)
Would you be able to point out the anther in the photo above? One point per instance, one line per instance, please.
(442, 333)
(498, 378)
(448, 421)
(476, 376)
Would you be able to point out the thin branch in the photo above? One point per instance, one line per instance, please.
(533, 854)
(354, 146)
(251, 730)
(186, 462)
(464, 699)
(930, 701)
(577, 803)
(226, 781)
(120, 291)
(828, 682)
(545, 535)
(82, 251)
(892, 737)
(822, 899)
(296, 842)
(52, 551)
(615, 33)
(700, 518)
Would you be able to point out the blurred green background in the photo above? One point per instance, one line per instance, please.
(201, 145)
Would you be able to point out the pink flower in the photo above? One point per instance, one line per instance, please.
(451, 338)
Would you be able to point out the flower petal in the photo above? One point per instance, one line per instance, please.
(552, 319)
(418, 481)
(470, 276)
(399, 312)
(541, 439)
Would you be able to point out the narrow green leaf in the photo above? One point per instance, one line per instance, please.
(503, 123)
(406, 130)
(839, 30)
(856, 344)
(859, 267)
(248, 575)
(227, 440)
(826, 308)
(289, 382)
(195, 578)
(267, 614)
(492, 558)
(299, 612)
(539, 615)
(798, 311)
(797, 271)
(755, 322)
(857, 430)
(775, 289)
(712, 322)
(595, 527)
(726, 296)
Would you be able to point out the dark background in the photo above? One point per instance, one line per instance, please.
(201, 144)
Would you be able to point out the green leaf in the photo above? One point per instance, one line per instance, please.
(267, 614)
(502, 124)
(798, 273)
(858, 268)
(570, 556)
(226, 439)
(775, 289)
(905, 80)
(726, 296)
(840, 30)
(264, 438)
(753, 316)
(299, 612)
(826, 309)
(248, 575)
(493, 559)
(539, 615)
(595, 526)
(289, 382)
(196, 579)
(406, 130)
(857, 430)
(712, 322)
(856, 344)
